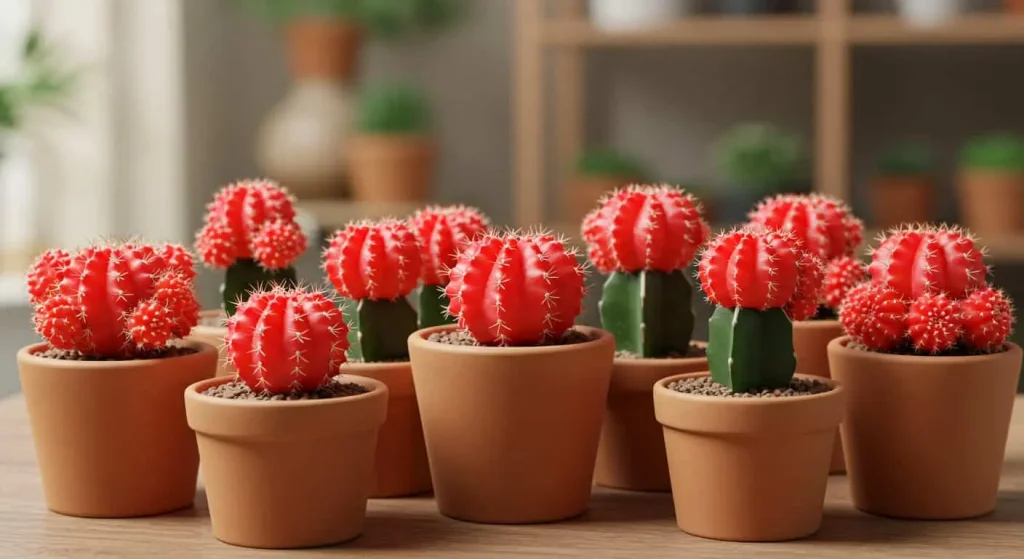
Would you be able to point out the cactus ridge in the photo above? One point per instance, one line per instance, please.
(924, 259)
(825, 225)
(649, 312)
(751, 349)
(841, 275)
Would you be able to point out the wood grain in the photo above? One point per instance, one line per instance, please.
(619, 524)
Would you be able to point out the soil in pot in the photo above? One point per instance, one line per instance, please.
(110, 435)
(631, 454)
(511, 432)
(391, 168)
(211, 330)
(925, 436)
(749, 466)
(899, 199)
(288, 471)
(991, 202)
(810, 344)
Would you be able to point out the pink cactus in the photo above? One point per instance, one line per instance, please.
(824, 225)
(875, 317)
(934, 323)
(441, 232)
(841, 275)
(251, 219)
(987, 318)
(928, 260)
(512, 289)
(760, 268)
(374, 260)
(643, 227)
(114, 300)
(286, 340)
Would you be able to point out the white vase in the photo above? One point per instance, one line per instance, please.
(628, 15)
(301, 143)
(928, 13)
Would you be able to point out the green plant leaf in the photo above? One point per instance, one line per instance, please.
(606, 162)
(906, 158)
(393, 109)
(760, 155)
(996, 151)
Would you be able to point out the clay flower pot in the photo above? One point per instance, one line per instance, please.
(401, 463)
(925, 436)
(512, 432)
(1014, 6)
(632, 450)
(748, 469)
(208, 332)
(284, 474)
(110, 436)
(323, 48)
(810, 344)
(583, 192)
(391, 168)
(991, 201)
(902, 199)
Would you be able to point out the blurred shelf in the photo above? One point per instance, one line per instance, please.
(332, 214)
(698, 30)
(994, 28)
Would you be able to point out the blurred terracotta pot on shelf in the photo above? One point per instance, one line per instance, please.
(991, 185)
(1014, 6)
(903, 188)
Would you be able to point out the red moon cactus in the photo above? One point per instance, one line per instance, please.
(441, 232)
(824, 225)
(928, 260)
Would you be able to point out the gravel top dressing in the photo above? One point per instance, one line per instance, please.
(238, 390)
(705, 386)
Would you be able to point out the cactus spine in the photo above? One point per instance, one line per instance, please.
(644, 237)
(377, 264)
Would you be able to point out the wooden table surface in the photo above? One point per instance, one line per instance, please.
(619, 524)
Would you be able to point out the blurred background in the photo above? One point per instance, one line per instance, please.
(123, 117)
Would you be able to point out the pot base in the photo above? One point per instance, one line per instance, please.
(810, 344)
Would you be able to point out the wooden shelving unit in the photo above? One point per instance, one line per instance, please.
(560, 28)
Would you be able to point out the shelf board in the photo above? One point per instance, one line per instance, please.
(995, 28)
(704, 30)
(334, 214)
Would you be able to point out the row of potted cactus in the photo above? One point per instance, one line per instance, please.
(492, 397)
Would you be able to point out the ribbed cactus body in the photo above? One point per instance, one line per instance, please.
(376, 324)
(751, 348)
(246, 275)
(928, 260)
(649, 312)
(433, 306)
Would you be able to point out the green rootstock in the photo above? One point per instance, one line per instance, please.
(383, 329)
(245, 276)
(649, 313)
(749, 348)
(433, 306)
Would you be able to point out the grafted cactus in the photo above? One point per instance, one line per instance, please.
(377, 264)
(441, 232)
(250, 229)
(922, 260)
(645, 237)
(115, 300)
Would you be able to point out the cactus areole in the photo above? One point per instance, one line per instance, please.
(441, 232)
(644, 237)
(928, 295)
(115, 301)
(378, 264)
(250, 230)
(761, 279)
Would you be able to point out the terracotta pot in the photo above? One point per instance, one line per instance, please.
(287, 474)
(902, 199)
(512, 432)
(323, 48)
(991, 203)
(632, 450)
(582, 194)
(391, 168)
(748, 469)
(401, 463)
(810, 344)
(110, 436)
(1016, 6)
(214, 335)
(925, 436)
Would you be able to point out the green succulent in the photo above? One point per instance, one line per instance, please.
(384, 18)
(40, 82)
(606, 162)
(906, 158)
(997, 151)
(393, 109)
(761, 156)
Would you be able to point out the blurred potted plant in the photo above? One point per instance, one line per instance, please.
(598, 171)
(991, 184)
(393, 153)
(903, 188)
(1014, 6)
(753, 7)
(756, 160)
(927, 13)
(626, 15)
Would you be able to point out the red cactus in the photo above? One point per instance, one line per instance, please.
(441, 232)
(928, 260)
(286, 340)
(251, 219)
(374, 260)
(824, 225)
(875, 317)
(987, 317)
(643, 227)
(113, 300)
(759, 268)
(514, 289)
(841, 275)
(934, 323)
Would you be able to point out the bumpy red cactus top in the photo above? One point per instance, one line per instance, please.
(287, 340)
(841, 275)
(114, 300)
(441, 232)
(251, 219)
(924, 259)
(645, 228)
(374, 260)
(760, 268)
(824, 225)
(511, 289)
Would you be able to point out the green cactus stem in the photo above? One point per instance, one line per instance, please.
(383, 330)
(750, 349)
(433, 306)
(649, 312)
(245, 275)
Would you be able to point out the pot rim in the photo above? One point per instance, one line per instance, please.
(817, 324)
(839, 346)
(419, 339)
(192, 392)
(662, 387)
(27, 354)
(375, 365)
(661, 362)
